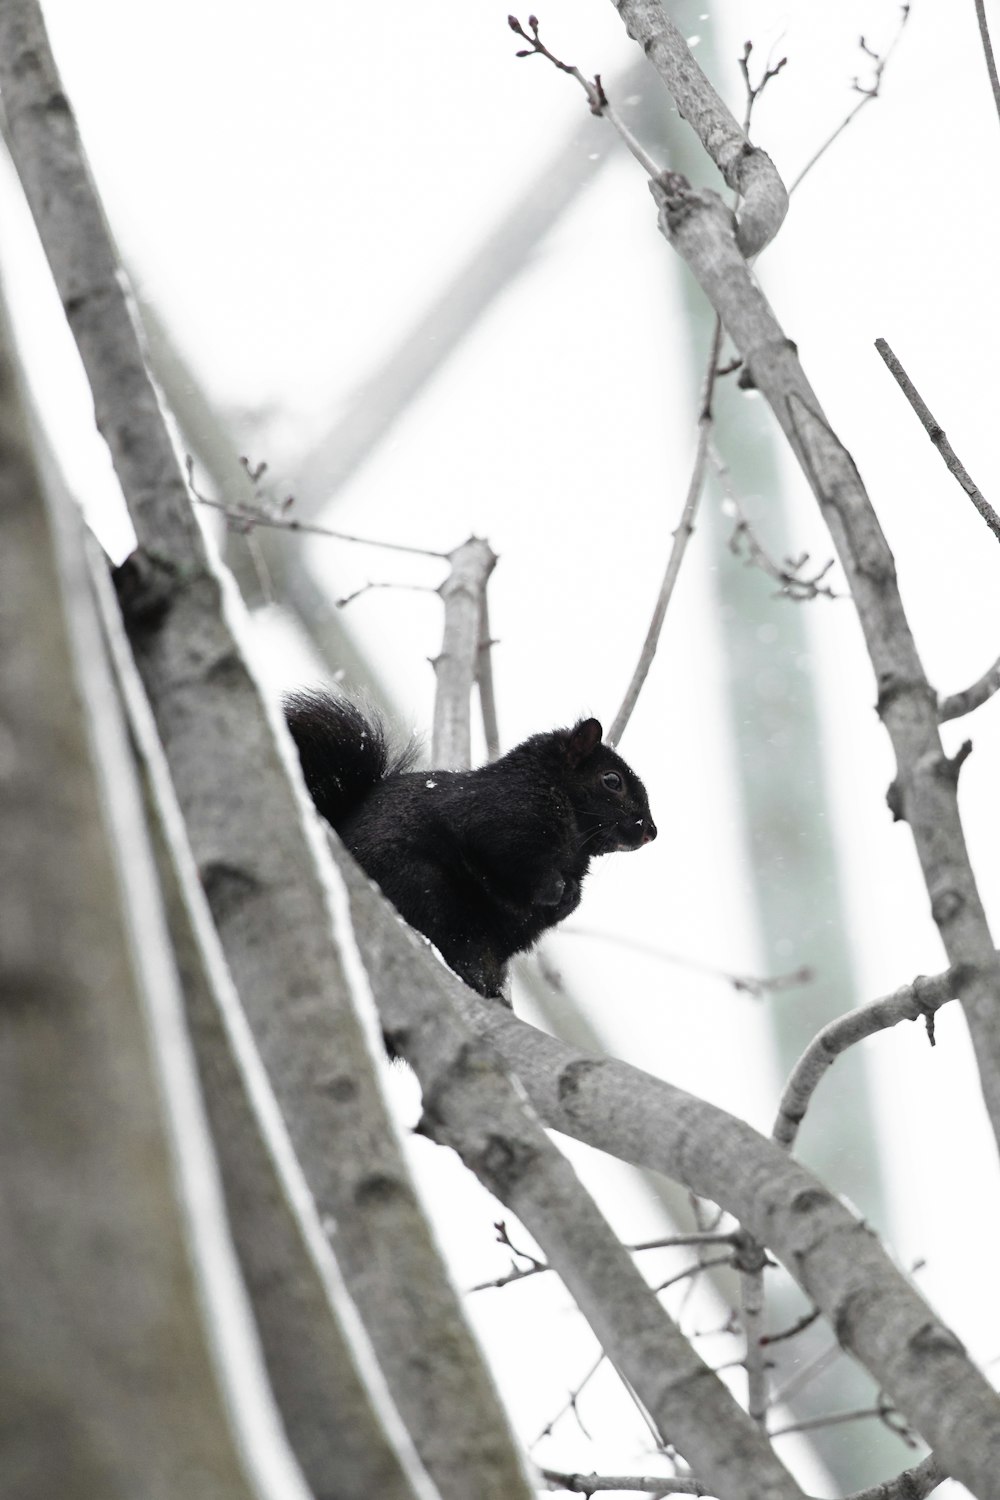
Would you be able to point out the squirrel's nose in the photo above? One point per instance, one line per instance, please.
(648, 831)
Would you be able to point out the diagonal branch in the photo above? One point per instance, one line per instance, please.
(470, 1104)
(925, 790)
(991, 62)
(937, 436)
(259, 850)
(878, 1316)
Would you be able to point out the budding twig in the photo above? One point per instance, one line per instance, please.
(868, 92)
(597, 99)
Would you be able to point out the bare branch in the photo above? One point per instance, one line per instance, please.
(937, 436)
(484, 681)
(472, 1105)
(837, 1260)
(597, 99)
(367, 588)
(883, 1412)
(991, 62)
(570, 1405)
(793, 1330)
(958, 704)
(754, 91)
(262, 861)
(743, 542)
(912, 1484)
(911, 1002)
(700, 226)
(463, 592)
(595, 1484)
(747, 169)
(695, 1270)
(868, 92)
(682, 536)
(679, 1241)
(757, 986)
(244, 518)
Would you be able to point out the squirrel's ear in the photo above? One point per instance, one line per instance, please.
(583, 740)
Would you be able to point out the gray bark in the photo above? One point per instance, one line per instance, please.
(833, 1256)
(338, 1414)
(746, 168)
(925, 790)
(260, 863)
(471, 1105)
(112, 1241)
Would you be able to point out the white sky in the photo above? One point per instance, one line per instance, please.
(291, 188)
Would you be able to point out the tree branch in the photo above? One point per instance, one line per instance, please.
(470, 1104)
(958, 704)
(921, 999)
(682, 536)
(700, 227)
(878, 1316)
(256, 840)
(457, 667)
(991, 62)
(936, 434)
(747, 169)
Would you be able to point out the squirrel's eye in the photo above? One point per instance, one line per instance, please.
(612, 781)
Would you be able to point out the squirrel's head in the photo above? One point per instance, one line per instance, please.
(609, 799)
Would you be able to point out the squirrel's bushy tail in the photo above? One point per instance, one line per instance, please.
(344, 751)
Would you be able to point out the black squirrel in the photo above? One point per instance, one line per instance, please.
(480, 861)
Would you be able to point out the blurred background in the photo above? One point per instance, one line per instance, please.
(411, 274)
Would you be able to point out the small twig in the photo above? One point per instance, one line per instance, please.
(885, 1413)
(936, 434)
(682, 536)
(729, 1327)
(805, 1375)
(991, 62)
(910, 1003)
(536, 1267)
(597, 99)
(757, 986)
(594, 1484)
(416, 588)
(754, 92)
(958, 704)
(792, 582)
(793, 1330)
(868, 93)
(516, 1273)
(708, 1264)
(678, 1241)
(243, 518)
(570, 1404)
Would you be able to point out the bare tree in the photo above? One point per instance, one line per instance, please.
(189, 956)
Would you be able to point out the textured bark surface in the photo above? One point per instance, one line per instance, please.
(925, 790)
(337, 1412)
(747, 169)
(107, 1382)
(471, 1105)
(834, 1257)
(259, 862)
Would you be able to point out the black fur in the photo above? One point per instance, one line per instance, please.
(482, 861)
